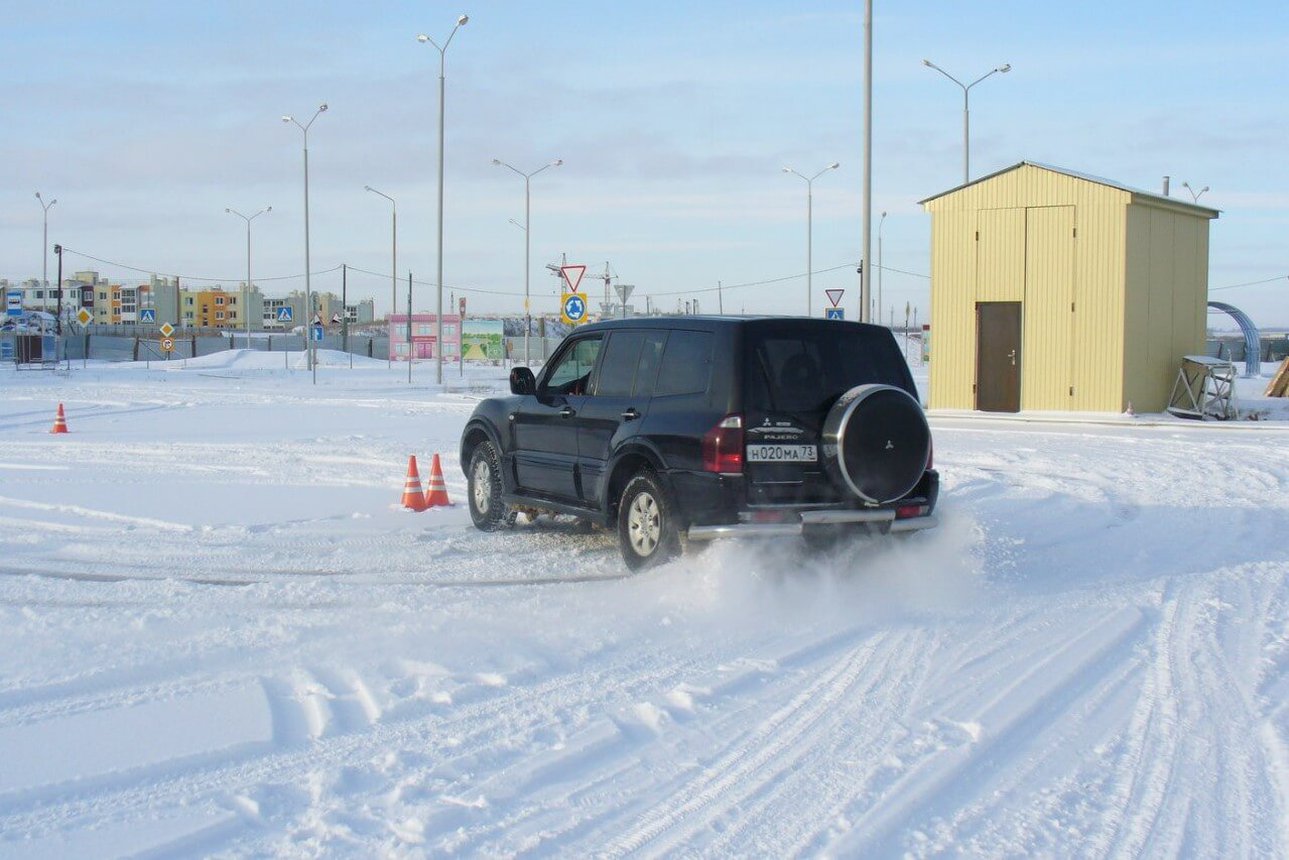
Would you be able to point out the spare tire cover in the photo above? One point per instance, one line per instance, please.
(876, 443)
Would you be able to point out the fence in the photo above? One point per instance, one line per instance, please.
(115, 347)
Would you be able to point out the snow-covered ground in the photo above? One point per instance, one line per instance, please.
(221, 635)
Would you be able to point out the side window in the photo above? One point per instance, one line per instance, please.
(686, 363)
(618, 370)
(572, 370)
(650, 358)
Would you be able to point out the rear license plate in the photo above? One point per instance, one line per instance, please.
(781, 453)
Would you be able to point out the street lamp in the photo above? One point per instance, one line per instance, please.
(528, 318)
(44, 256)
(880, 222)
(1195, 195)
(438, 326)
(308, 292)
(247, 309)
(966, 114)
(810, 182)
(393, 274)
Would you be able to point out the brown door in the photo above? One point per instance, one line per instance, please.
(998, 356)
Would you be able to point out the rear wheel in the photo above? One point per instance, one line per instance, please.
(647, 528)
(486, 508)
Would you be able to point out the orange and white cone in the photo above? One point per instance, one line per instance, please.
(413, 498)
(437, 493)
(60, 421)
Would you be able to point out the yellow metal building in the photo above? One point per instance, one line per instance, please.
(1053, 290)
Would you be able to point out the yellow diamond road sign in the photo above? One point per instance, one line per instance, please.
(83, 317)
(167, 329)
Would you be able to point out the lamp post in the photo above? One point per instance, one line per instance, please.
(438, 325)
(247, 309)
(966, 114)
(44, 256)
(308, 292)
(528, 318)
(880, 222)
(1195, 195)
(393, 270)
(810, 183)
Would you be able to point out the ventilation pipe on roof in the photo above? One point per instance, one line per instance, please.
(1165, 186)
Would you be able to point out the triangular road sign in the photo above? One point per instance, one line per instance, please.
(624, 291)
(572, 276)
(834, 296)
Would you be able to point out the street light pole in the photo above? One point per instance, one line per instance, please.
(810, 269)
(308, 292)
(966, 113)
(393, 269)
(880, 222)
(247, 309)
(528, 318)
(438, 326)
(1195, 195)
(44, 257)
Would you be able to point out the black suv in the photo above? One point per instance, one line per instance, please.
(703, 427)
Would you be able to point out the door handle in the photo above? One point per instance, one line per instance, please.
(630, 414)
(567, 412)
(1012, 356)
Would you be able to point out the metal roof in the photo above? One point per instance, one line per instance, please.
(1087, 177)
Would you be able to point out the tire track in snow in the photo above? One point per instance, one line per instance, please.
(587, 771)
(308, 741)
(1000, 727)
(721, 782)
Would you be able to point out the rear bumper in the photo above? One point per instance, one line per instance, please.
(714, 507)
(883, 520)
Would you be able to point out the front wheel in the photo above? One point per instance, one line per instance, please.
(486, 508)
(647, 530)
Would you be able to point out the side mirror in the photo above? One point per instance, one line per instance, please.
(522, 381)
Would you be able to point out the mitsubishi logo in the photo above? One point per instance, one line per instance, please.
(890, 446)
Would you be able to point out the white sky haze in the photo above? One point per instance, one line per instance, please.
(146, 120)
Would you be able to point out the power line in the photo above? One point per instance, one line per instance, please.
(166, 274)
(780, 280)
(1248, 284)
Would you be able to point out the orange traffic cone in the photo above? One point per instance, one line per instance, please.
(413, 498)
(60, 421)
(437, 493)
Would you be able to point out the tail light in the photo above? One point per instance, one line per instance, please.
(723, 446)
(906, 512)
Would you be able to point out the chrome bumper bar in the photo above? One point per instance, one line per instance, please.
(884, 518)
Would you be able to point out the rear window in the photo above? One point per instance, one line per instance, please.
(686, 363)
(806, 368)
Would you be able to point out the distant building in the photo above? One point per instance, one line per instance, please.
(424, 337)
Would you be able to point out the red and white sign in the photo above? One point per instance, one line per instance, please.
(834, 296)
(572, 276)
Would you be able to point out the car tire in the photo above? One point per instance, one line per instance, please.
(647, 530)
(487, 511)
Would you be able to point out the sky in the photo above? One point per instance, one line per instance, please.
(146, 120)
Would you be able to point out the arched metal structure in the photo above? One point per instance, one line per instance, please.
(1252, 342)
